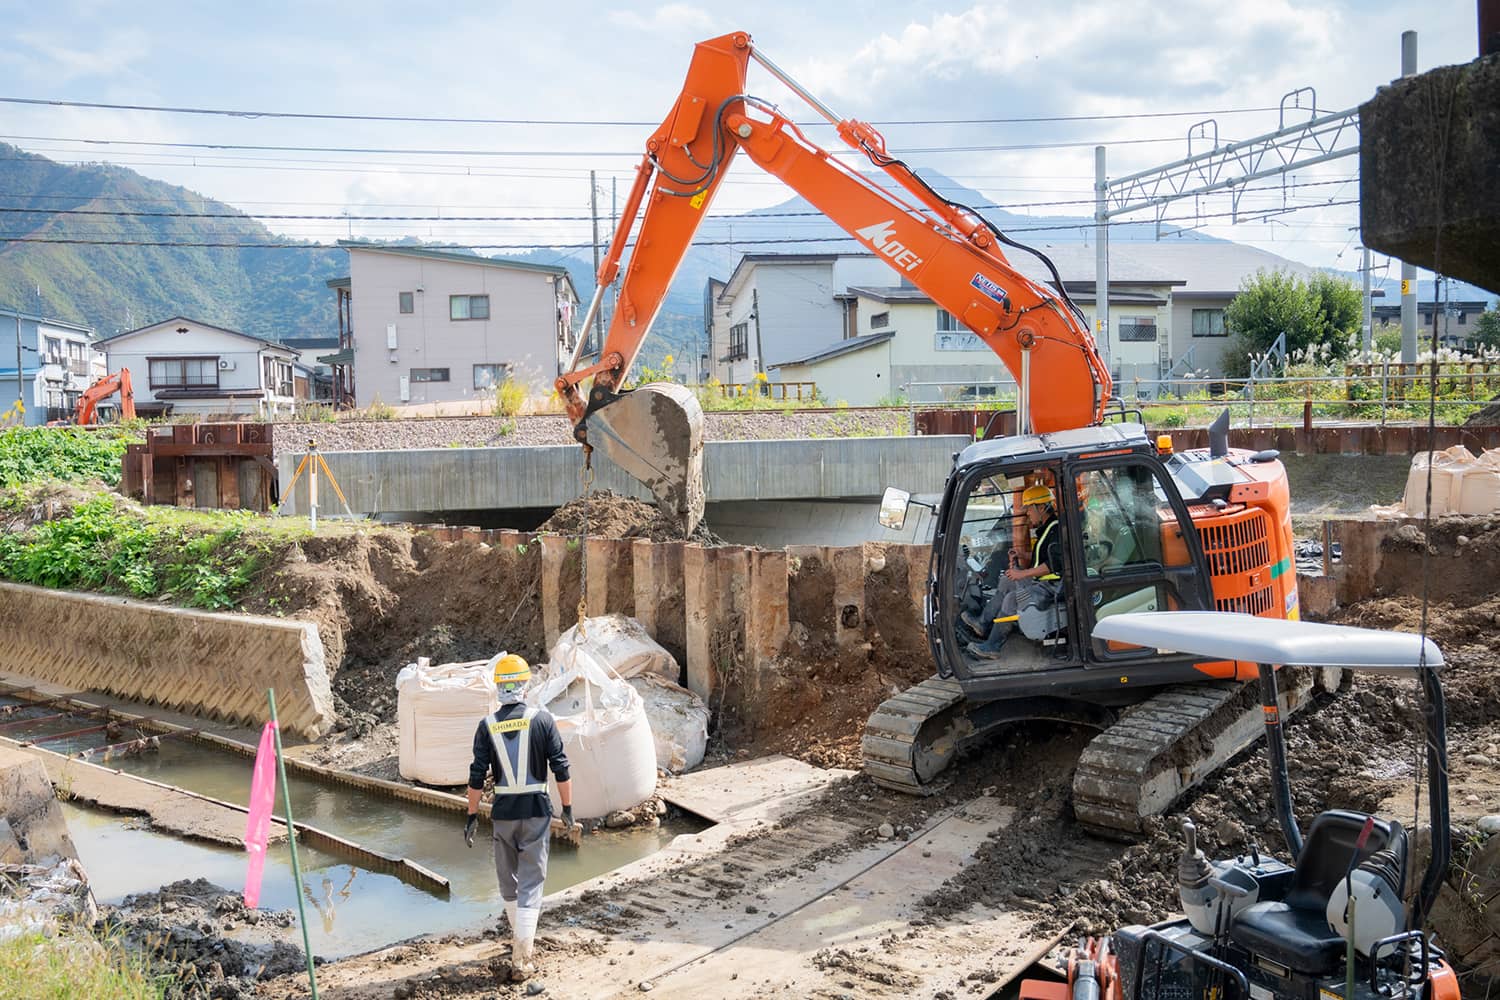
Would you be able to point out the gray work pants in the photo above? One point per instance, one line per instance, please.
(521, 858)
(1035, 601)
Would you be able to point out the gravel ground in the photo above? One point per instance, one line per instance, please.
(533, 431)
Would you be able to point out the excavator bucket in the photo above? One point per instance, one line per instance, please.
(655, 433)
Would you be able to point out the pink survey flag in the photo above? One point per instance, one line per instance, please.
(262, 799)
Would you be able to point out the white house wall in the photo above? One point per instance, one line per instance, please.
(859, 378)
(522, 330)
(242, 355)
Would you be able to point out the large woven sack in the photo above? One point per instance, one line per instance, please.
(605, 733)
(438, 709)
(679, 722)
(623, 643)
(1448, 468)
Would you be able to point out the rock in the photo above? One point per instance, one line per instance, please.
(988, 791)
(1471, 798)
(401, 992)
(1463, 540)
(647, 986)
(1489, 824)
(535, 988)
(886, 831)
(1479, 759)
(620, 818)
(661, 807)
(1228, 831)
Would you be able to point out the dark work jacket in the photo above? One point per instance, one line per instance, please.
(546, 750)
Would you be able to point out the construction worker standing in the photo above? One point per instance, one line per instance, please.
(517, 744)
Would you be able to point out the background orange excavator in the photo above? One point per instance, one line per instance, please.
(87, 411)
(1142, 529)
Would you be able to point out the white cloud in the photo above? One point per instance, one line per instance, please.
(115, 53)
(674, 18)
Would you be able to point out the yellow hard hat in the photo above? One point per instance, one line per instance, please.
(1037, 495)
(510, 669)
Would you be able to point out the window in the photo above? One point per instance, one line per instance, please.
(54, 350)
(429, 374)
(407, 303)
(739, 342)
(879, 321)
(488, 376)
(948, 323)
(468, 307)
(1209, 323)
(1137, 328)
(183, 373)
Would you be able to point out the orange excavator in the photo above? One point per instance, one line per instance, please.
(1141, 528)
(87, 411)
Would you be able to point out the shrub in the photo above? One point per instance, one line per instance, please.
(510, 397)
(379, 409)
(31, 454)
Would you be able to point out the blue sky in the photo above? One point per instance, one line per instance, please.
(621, 66)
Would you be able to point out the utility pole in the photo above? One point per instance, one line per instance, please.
(598, 315)
(1368, 322)
(1101, 255)
(20, 383)
(1408, 271)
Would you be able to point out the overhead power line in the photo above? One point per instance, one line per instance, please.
(384, 151)
(240, 244)
(592, 123)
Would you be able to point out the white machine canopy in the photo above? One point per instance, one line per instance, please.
(1222, 635)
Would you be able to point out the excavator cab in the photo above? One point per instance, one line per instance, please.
(1117, 528)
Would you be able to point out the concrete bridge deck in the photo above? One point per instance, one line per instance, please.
(466, 479)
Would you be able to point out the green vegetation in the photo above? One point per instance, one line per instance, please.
(31, 454)
(1487, 329)
(197, 559)
(510, 397)
(38, 967)
(1322, 311)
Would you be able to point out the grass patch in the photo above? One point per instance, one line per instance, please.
(69, 454)
(200, 559)
(37, 967)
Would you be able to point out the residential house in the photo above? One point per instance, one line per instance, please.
(776, 307)
(57, 363)
(430, 326)
(316, 372)
(1456, 321)
(898, 342)
(181, 365)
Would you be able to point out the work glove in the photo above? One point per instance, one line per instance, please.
(469, 827)
(567, 816)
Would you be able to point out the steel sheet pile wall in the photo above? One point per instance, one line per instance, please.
(213, 665)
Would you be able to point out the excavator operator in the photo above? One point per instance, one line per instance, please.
(1028, 593)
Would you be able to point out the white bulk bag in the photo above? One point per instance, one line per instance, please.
(605, 733)
(1448, 468)
(1479, 493)
(623, 643)
(679, 722)
(437, 711)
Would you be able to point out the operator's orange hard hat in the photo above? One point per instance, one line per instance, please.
(509, 669)
(1037, 496)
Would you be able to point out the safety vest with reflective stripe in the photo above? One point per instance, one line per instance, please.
(514, 755)
(1036, 550)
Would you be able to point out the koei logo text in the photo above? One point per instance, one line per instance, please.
(879, 236)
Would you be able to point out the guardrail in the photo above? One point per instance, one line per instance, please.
(770, 390)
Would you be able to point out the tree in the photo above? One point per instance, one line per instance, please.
(1487, 329)
(1321, 312)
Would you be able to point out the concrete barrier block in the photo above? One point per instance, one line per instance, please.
(32, 827)
(210, 664)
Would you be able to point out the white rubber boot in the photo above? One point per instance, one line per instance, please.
(510, 916)
(523, 957)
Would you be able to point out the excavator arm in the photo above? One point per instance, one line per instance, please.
(945, 249)
(87, 411)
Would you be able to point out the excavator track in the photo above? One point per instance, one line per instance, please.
(1137, 767)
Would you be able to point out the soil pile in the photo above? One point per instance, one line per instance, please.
(1489, 416)
(206, 938)
(606, 514)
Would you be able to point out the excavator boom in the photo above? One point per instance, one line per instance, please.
(943, 248)
(87, 411)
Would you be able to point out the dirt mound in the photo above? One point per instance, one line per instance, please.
(606, 514)
(1488, 416)
(185, 930)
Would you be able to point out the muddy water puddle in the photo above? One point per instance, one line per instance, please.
(349, 909)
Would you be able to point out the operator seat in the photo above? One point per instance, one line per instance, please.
(1294, 932)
